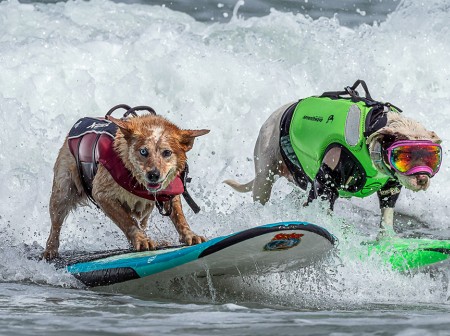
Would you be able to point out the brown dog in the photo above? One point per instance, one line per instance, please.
(150, 152)
(338, 169)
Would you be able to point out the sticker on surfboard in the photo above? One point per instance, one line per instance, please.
(283, 241)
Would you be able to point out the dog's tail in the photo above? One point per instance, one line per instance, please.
(240, 187)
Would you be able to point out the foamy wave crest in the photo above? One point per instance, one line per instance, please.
(59, 62)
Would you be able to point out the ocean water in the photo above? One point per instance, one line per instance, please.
(224, 66)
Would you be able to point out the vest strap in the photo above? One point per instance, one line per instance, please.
(160, 206)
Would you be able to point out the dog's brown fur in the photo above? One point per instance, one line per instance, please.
(128, 211)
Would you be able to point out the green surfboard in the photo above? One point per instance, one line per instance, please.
(409, 254)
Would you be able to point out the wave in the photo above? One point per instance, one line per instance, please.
(61, 61)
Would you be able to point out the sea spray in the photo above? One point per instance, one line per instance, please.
(63, 61)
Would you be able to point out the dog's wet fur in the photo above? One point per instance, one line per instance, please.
(154, 150)
(401, 128)
(269, 162)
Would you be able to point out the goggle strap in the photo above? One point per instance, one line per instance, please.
(376, 155)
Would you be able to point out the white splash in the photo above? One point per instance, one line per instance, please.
(59, 62)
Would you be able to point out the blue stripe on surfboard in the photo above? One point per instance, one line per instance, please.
(151, 262)
(158, 260)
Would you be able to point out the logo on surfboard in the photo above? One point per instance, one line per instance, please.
(283, 241)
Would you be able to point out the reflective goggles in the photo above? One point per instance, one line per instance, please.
(410, 157)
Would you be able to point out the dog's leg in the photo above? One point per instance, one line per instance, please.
(121, 216)
(324, 186)
(179, 220)
(386, 224)
(267, 158)
(387, 197)
(105, 192)
(67, 192)
(264, 180)
(144, 220)
(387, 221)
(327, 179)
(62, 201)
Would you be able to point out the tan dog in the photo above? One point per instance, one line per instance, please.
(337, 167)
(153, 151)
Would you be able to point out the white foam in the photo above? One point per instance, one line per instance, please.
(59, 62)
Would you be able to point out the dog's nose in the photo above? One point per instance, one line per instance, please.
(153, 175)
(422, 179)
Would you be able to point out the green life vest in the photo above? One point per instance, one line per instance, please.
(318, 123)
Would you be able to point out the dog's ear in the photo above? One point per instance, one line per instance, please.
(123, 125)
(434, 137)
(188, 137)
(385, 131)
(389, 131)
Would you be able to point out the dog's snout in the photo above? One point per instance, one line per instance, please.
(422, 179)
(153, 175)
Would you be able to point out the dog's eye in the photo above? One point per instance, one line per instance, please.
(144, 152)
(166, 153)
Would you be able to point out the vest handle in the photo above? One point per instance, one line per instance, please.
(351, 91)
(130, 110)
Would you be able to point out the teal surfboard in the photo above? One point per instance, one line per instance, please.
(264, 249)
(411, 254)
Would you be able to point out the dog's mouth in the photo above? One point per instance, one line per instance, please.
(161, 185)
(154, 186)
(417, 182)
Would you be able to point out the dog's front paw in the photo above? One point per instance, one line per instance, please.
(141, 242)
(385, 233)
(190, 238)
(50, 254)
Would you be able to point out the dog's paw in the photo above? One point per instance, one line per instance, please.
(385, 233)
(141, 242)
(50, 254)
(190, 238)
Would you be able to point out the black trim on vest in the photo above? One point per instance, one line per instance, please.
(375, 120)
(349, 174)
(389, 193)
(287, 152)
(324, 186)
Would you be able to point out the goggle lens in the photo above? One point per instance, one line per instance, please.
(404, 158)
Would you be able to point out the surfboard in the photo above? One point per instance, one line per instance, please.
(264, 249)
(411, 254)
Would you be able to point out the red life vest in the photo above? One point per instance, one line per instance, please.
(91, 142)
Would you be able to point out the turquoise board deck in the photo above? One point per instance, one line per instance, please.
(267, 248)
